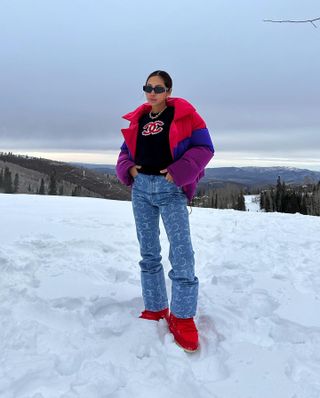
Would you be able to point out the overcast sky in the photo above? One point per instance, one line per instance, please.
(69, 69)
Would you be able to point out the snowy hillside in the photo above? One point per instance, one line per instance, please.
(70, 300)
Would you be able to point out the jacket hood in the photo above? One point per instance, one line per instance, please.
(182, 108)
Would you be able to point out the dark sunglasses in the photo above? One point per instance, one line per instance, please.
(157, 89)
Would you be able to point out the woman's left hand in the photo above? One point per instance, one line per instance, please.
(168, 175)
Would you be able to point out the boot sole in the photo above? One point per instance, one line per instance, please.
(179, 345)
(185, 349)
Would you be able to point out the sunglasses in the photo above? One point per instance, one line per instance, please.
(157, 89)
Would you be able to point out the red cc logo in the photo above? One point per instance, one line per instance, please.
(153, 128)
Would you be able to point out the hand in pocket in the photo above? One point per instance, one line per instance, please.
(134, 170)
(168, 176)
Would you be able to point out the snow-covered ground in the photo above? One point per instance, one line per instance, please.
(70, 300)
(252, 202)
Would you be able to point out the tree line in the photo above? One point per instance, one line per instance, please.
(10, 185)
(303, 199)
(69, 179)
(227, 197)
(6, 183)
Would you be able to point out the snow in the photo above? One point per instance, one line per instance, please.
(70, 299)
(252, 202)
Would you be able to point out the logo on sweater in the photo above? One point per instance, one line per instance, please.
(153, 128)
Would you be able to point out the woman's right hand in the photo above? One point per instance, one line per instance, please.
(134, 170)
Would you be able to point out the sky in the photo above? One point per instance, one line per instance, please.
(70, 69)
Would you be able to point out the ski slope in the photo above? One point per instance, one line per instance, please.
(70, 299)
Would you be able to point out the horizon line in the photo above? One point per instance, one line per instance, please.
(109, 158)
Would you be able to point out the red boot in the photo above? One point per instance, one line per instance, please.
(185, 332)
(155, 315)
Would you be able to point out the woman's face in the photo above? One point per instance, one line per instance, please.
(156, 100)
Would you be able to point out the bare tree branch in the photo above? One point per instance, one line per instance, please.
(312, 21)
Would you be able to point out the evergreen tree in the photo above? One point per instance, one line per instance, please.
(52, 184)
(76, 191)
(292, 205)
(268, 202)
(291, 199)
(262, 197)
(41, 190)
(241, 202)
(7, 184)
(1, 178)
(303, 206)
(16, 183)
(278, 199)
(284, 198)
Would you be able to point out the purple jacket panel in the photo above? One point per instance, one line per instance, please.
(188, 170)
(124, 163)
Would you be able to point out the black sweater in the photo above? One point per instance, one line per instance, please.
(153, 149)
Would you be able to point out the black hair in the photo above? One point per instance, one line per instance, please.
(165, 77)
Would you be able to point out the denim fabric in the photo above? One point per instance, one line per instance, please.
(153, 196)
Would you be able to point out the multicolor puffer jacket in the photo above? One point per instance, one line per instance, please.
(190, 144)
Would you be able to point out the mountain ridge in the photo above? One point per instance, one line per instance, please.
(101, 179)
(248, 176)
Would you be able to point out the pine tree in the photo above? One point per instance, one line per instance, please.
(1, 178)
(241, 202)
(16, 183)
(41, 190)
(7, 184)
(278, 196)
(268, 202)
(262, 197)
(76, 191)
(52, 184)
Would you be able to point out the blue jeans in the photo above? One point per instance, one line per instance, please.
(153, 196)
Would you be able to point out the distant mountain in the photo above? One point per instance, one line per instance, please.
(244, 176)
(261, 176)
(99, 168)
(99, 179)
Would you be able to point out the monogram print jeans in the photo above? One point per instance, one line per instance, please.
(153, 196)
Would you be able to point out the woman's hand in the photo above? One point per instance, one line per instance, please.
(133, 170)
(168, 175)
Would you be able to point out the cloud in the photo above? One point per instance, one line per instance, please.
(69, 70)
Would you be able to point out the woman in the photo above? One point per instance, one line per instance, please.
(164, 153)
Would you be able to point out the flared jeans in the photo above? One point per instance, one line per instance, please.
(153, 196)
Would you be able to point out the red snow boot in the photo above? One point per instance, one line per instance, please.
(185, 332)
(155, 315)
